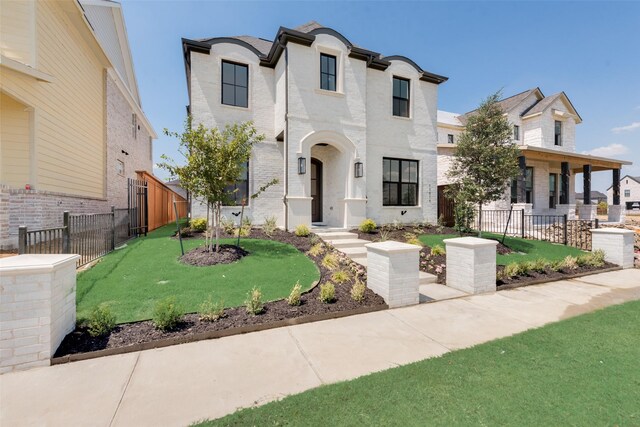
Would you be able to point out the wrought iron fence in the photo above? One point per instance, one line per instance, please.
(550, 228)
(45, 241)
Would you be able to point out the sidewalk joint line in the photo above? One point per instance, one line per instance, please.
(126, 387)
(306, 357)
(417, 330)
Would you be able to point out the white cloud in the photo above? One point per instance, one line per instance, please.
(608, 150)
(632, 126)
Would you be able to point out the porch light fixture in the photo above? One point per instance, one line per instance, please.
(358, 170)
(302, 165)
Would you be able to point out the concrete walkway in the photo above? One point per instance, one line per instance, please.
(178, 385)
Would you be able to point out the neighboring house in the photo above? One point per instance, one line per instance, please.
(350, 133)
(629, 193)
(73, 129)
(544, 129)
(596, 197)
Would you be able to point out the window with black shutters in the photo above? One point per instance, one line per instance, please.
(399, 182)
(235, 84)
(327, 72)
(400, 97)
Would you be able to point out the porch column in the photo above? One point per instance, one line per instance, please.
(521, 183)
(564, 183)
(616, 212)
(587, 210)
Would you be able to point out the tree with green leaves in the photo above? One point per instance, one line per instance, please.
(485, 159)
(215, 159)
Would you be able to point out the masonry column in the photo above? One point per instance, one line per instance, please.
(393, 272)
(616, 212)
(471, 264)
(587, 211)
(564, 207)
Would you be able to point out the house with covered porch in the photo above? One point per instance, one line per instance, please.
(544, 130)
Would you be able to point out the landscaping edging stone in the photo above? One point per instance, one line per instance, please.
(214, 334)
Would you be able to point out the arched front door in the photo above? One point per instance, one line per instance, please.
(316, 190)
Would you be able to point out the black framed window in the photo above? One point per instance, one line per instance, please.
(514, 190)
(450, 139)
(240, 188)
(516, 132)
(528, 185)
(400, 97)
(553, 190)
(327, 72)
(558, 132)
(399, 182)
(235, 84)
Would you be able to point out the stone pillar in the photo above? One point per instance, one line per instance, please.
(393, 272)
(299, 211)
(616, 243)
(587, 212)
(569, 210)
(471, 264)
(616, 213)
(37, 308)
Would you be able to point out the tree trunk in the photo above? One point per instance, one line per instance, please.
(479, 219)
(218, 207)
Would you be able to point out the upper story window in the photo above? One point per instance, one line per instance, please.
(327, 72)
(516, 132)
(450, 139)
(558, 133)
(399, 182)
(627, 193)
(400, 97)
(235, 84)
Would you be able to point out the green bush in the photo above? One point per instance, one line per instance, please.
(101, 321)
(540, 265)
(367, 226)
(511, 270)
(270, 225)
(437, 250)
(253, 303)
(211, 311)
(340, 276)
(228, 225)
(569, 263)
(295, 296)
(198, 224)
(314, 239)
(384, 235)
(327, 293)
(464, 216)
(415, 241)
(302, 230)
(592, 259)
(556, 265)
(330, 261)
(316, 250)
(357, 291)
(603, 207)
(525, 267)
(167, 314)
(186, 232)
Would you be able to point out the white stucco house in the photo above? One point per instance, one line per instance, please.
(544, 127)
(350, 133)
(629, 193)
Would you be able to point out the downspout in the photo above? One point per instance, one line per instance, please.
(286, 136)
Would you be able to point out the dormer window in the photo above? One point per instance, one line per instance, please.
(558, 133)
(235, 84)
(516, 133)
(327, 72)
(400, 97)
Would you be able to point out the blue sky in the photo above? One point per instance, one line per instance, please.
(590, 50)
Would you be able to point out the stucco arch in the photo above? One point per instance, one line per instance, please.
(338, 140)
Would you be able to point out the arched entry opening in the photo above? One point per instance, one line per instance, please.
(316, 190)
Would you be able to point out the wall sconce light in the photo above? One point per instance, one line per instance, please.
(302, 165)
(358, 170)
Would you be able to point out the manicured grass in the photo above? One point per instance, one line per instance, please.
(132, 279)
(582, 371)
(524, 250)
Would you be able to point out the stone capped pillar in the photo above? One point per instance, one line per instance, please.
(616, 243)
(587, 212)
(393, 272)
(471, 264)
(569, 210)
(616, 213)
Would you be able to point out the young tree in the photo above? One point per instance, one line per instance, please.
(214, 160)
(485, 160)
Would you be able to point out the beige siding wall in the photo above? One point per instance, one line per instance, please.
(69, 112)
(14, 142)
(17, 30)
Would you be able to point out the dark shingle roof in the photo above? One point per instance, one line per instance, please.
(539, 107)
(309, 26)
(594, 195)
(510, 102)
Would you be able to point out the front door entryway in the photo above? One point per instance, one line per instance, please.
(316, 190)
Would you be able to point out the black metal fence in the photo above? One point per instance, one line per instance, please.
(88, 235)
(550, 228)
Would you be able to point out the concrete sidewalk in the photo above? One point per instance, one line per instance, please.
(208, 379)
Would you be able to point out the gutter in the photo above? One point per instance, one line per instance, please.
(286, 137)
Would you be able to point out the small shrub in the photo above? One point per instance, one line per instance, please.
(316, 250)
(397, 225)
(598, 258)
(367, 226)
(511, 270)
(357, 291)
(437, 250)
(409, 236)
(294, 297)
(167, 314)
(198, 224)
(524, 268)
(242, 231)
(340, 277)
(384, 235)
(186, 232)
(415, 241)
(101, 321)
(228, 225)
(327, 293)
(540, 265)
(569, 263)
(253, 302)
(211, 311)
(330, 261)
(270, 225)
(302, 230)
(314, 239)
(556, 265)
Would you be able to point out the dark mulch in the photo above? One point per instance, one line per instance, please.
(533, 277)
(202, 256)
(398, 234)
(79, 341)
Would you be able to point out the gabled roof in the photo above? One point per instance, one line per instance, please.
(635, 178)
(594, 195)
(448, 118)
(509, 103)
(546, 102)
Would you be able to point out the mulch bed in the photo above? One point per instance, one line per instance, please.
(534, 277)
(128, 334)
(202, 256)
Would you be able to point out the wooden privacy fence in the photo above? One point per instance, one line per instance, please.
(88, 235)
(160, 202)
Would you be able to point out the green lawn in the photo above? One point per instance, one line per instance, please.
(132, 279)
(582, 371)
(524, 250)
